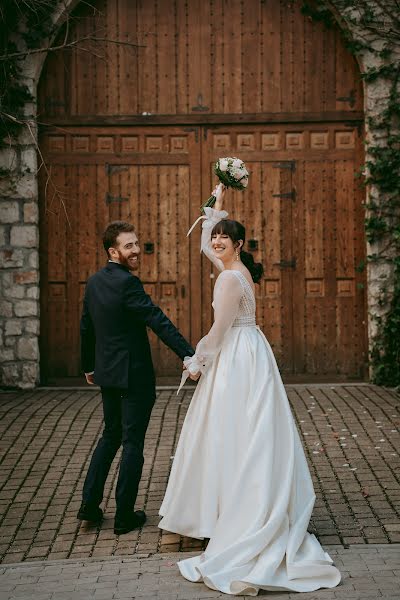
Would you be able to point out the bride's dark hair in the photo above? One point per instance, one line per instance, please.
(236, 232)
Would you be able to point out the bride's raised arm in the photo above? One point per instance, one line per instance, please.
(212, 217)
(228, 293)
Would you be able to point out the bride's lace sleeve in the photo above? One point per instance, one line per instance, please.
(212, 218)
(227, 296)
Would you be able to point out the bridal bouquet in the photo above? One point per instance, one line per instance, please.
(232, 172)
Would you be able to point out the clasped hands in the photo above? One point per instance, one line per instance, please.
(193, 376)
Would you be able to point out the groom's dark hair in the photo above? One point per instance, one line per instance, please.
(113, 230)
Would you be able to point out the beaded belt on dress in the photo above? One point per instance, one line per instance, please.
(249, 321)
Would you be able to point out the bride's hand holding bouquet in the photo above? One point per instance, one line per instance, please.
(219, 193)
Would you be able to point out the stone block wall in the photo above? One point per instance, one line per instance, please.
(19, 264)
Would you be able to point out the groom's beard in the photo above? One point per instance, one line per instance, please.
(126, 262)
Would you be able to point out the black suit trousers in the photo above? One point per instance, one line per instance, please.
(126, 417)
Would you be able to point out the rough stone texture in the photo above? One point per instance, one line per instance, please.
(24, 236)
(19, 239)
(10, 373)
(31, 212)
(28, 348)
(13, 327)
(26, 308)
(9, 211)
(3, 235)
(10, 258)
(8, 159)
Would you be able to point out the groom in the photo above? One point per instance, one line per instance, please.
(116, 355)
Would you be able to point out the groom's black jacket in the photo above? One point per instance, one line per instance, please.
(114, 341)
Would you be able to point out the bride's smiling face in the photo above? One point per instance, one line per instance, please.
(223, 247)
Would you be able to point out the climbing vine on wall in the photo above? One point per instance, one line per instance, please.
(372, 31)
(31, 21)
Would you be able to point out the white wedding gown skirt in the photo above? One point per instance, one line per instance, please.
(240, 478)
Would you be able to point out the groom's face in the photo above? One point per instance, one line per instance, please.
(126, 251)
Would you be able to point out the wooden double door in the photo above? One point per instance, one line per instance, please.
(303, 215)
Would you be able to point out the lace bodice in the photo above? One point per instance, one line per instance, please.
(246, 315)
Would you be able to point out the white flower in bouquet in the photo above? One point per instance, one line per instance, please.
(223, 164)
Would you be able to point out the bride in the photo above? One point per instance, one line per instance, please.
(240, 476)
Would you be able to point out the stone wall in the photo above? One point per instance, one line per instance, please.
(380, 275)
(19, 263)
(19, 238)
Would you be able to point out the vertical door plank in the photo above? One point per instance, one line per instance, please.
(251, 60)
(271, 56)
(149, 230)
(272, 253)
(346, 289)
(314, 59)
(314, 265)
(87, 242)
(232, 57)
(181, 191)
(344, 176)
(128, 57)
(299, 284)
(219, 80)
(329, 334)
(182, 57)
(147, 64)
(167, 69)
(299, 71)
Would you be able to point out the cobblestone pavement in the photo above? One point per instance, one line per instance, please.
(350, 433)
(368, 572)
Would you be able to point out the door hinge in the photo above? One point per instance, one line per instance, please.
(289, 164)
(195, 130)
(110, 198)
(110, 169)
(351, 98)
(291, 195)
(285, 264)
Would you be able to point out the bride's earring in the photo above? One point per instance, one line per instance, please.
(237, 254)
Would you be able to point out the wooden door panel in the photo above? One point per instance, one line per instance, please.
(90, 186)
(266, 213)
(334, 324)
(302, 211)
(159, 209)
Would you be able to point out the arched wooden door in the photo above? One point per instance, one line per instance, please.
(134, 126)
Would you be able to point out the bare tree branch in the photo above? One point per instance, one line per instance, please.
(72, 44)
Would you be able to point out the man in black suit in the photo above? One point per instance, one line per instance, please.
(116, 355)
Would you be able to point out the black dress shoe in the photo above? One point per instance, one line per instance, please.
(129, 521)
(88, 512)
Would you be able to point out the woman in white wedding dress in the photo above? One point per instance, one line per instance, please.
(240, 476)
